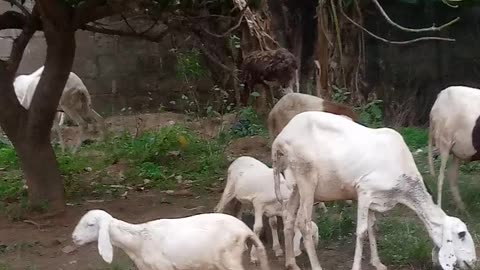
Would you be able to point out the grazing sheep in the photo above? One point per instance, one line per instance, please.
(269, 68)
(75, 101)
(204, 241)
(294, 103)
(455, 128)
(331, 158)
(251, 182)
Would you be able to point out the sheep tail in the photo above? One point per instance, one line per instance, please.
(261, 252)
(227, 195)
(279, 165)
(430, 147)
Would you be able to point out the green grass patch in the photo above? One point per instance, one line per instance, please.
(338, 224)
(402, 241)
(414, 137)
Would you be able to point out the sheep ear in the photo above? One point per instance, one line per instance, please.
(104, 244)
(446, 255)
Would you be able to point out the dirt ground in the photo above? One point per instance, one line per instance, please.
(46, 244)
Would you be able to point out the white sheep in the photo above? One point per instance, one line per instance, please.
(203, 241)
(331, 158)
(75, 101)
(455, 128)
(250, 182)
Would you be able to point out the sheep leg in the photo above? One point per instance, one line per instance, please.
(297, 237)
(441, 176)
(362, 228)
(273, 222)
(56, 126)
(453, 182)
(257, 229)
(304, 219)
(289, 216)
(99, 120)
(374, 258)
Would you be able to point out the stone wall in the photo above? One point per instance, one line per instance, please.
(121, 73)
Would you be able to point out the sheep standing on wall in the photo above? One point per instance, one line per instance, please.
(455, 128)
(331, 158)
(250, 182)
(75, 101)
(204, 241)
(269, 68)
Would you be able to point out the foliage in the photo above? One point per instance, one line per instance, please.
(248, 124)
(340, 95)
(161, 159)
(415, 138)
(188, 65)
(371, 113)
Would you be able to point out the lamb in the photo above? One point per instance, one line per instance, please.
(294, 103)
(250, 181)
(75, 101)
(454, 127)
(204, 241)
(329, 158)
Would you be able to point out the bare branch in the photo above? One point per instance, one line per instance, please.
(386, 40)
(226, 33)
(12, 20)
(416, 30)
(107, 31)
(215, 60)
(128, 24)
(19, 6)
(21, 42)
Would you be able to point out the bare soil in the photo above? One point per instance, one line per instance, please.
(44, 243)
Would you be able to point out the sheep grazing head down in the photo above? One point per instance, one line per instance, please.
(458, 248)
(94, 226)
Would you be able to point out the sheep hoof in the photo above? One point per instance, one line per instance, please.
(292, 267)
(297, 253)
(278, 252)
(379, 266)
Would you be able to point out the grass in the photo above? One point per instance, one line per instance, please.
(172, 156)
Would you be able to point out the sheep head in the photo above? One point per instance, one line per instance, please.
(457, 247)
(94, 226)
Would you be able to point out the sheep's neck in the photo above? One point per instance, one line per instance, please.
(126, 236)
(432, 216)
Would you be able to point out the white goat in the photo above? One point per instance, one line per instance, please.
(331, 158)
(75, 101)
(251, 182)
(203, 241)
(454, 127)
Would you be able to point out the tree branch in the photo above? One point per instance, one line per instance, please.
(386, 40)
(19, 6)
(416, 30)
(226, 33)
(107, 31)
(12, 20)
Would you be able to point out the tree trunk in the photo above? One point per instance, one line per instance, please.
(321, 51)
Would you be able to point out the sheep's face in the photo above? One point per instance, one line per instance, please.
(458, 248)
(88, 227)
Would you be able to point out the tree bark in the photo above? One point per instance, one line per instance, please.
(321, 51)
(29, 130)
